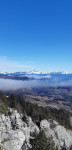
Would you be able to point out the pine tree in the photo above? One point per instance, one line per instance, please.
(41, 142)
(71, 147)
(50, 144)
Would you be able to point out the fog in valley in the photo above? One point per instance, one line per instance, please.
(8, 84)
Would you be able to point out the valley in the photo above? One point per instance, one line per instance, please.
(60, 97)
(52, 89)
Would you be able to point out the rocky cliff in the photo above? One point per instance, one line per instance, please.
(16, 131)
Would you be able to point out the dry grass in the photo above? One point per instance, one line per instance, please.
(4, 140)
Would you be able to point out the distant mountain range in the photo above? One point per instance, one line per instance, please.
(34, 75)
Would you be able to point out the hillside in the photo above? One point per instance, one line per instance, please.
(21, 122)
(55, 97)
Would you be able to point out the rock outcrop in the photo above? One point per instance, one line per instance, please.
(60, 135)
(16, 131)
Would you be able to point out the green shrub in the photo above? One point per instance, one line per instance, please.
(4, 109)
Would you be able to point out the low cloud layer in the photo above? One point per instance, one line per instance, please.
(7, 84)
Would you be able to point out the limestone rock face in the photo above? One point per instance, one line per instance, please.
(14, 140)
(60, 135)
(14, 132)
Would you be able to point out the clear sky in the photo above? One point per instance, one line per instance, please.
(36, 34)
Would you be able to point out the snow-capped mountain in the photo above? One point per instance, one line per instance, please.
(37, 75)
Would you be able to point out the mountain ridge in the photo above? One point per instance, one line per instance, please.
(34, 75)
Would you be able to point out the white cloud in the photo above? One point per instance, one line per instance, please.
(7, 65)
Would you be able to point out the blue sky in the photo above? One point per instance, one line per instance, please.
(36, 34)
